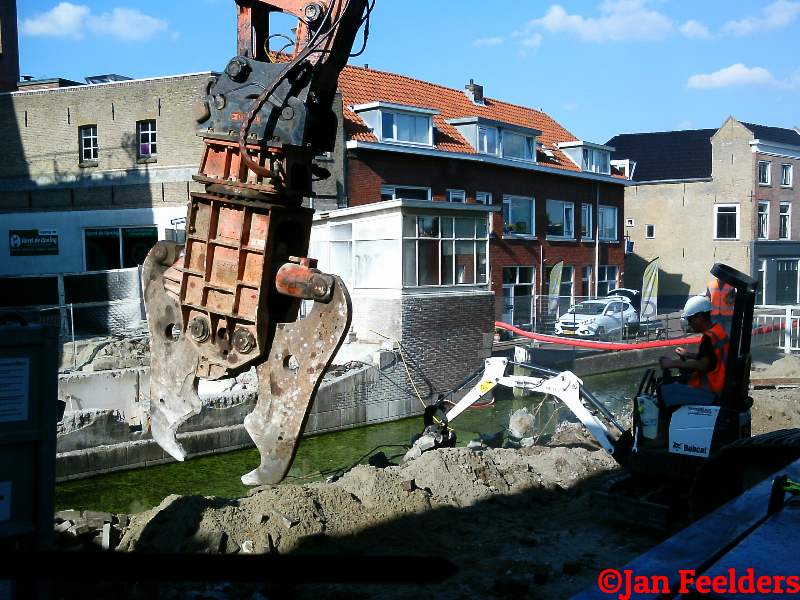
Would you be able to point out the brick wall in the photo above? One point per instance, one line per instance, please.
(41, 128)
(367, 170)
(444, 337)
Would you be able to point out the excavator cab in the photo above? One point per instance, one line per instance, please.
(698, 430)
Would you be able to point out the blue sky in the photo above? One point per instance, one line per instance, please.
(599, 67)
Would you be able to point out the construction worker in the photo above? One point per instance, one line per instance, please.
(721, 296)
(703, 372)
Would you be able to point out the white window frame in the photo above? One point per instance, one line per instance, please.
(787, 172)
(528, 146)
(762, 222)
(761, 275)
(785, 221)
(147, 130)
(586, 279)
(89, 142)
(444, 237)
(483, 140)
(508, 216)
(483, 197)
(456, 196)
(587, 210)
(765, 174)
(391, 190)
(604, 278)
(716, 221)
(565, 209)
(601, 223)
(596, 161)
(385, 114)
(650, 231)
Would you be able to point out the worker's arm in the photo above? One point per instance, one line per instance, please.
(698, 364)
(685, 353)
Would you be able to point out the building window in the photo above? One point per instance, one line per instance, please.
(726, 221)
(560, 219)
(519, 146)
(401, 127)
(391, 192)
(487, 140)
(763, 220)
(146, 131)
(456, 196)
(586, 280)
(607, 222)
(786, 175)
(586, 221)
(785, 220)
(518, 295)
(763, 172)
(108, 248)
(483, 197)
(786, 282)
(596, 161)
(606, 279)
(518, 215)
(444, 251)
(89, 146)
(650, 232)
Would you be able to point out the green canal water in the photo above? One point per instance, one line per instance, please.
(321, 456)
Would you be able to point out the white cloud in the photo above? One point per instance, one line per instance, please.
(695, 30)
(572, 106)
(71, 20)
(685, 125)
(621, 20)
(65, 20)
(777, 15)
(533, 42)
(126, 24)
(488, 41)
(737, 74)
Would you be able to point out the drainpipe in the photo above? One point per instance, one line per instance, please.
(597, 243)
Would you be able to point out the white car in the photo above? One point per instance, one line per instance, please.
(601, 319)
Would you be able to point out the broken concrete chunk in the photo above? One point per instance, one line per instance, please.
(123, 520)
(287, 521)
(61, 528)
(93, 514)
(260, 518)
(79, 529)
(68, 515)
(520, 424)
(271, 547)
(231, 547)
(409, 485)
(248, 547)
(107, 538)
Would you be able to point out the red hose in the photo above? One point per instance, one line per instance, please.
(600, 345)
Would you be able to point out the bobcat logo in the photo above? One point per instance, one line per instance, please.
(676, 445)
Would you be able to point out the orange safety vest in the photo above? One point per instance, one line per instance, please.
(714, 381)
(719, 298)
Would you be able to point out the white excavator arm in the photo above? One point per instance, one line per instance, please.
(565, 386)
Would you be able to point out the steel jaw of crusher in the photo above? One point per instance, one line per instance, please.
(289, 374)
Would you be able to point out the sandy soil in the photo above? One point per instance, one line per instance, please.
(518, 523)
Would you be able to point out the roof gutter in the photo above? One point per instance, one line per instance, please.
(662, 181)
(482, 158)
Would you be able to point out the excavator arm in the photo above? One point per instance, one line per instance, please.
(229, 300)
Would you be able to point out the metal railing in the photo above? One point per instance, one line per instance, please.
(776, 327)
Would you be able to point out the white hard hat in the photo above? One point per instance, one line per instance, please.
(697, 304)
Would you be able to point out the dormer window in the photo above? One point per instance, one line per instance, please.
(487, 140)
(398, 123)
(518, 146)
(592, 158)
(498, 139)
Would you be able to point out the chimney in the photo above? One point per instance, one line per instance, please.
(475, 93)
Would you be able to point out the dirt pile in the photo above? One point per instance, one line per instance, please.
(518, 523)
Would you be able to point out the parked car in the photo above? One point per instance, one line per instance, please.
(602, 319)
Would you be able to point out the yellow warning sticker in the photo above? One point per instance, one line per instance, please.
(485, 386)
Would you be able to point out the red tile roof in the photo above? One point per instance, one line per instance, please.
(361, 86)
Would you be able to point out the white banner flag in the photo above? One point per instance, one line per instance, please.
(555, 286)
(650, 290)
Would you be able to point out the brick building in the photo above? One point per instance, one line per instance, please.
(714, 195)
(414, 140)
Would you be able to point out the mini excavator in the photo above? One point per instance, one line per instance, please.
(229, 300)
(710, 447)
